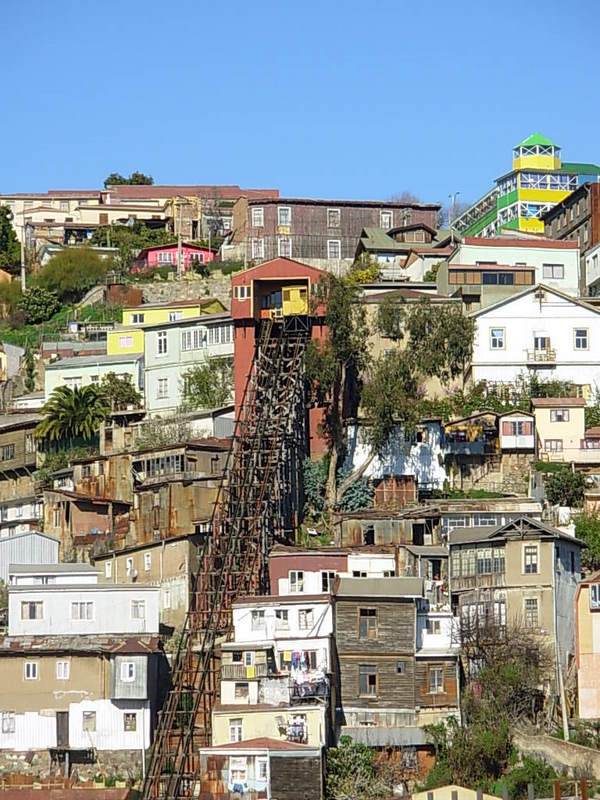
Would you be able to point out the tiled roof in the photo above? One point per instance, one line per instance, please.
(16, 645)
(262, 743)
(558, 402)
(595, 431)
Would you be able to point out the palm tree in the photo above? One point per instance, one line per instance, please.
(71, 414)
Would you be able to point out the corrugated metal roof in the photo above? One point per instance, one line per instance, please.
(90, 361)
(78, 644)
(378, 736)
(52, 569)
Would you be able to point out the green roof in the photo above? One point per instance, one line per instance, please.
(377, 239)
(537, 138)
(580, 169)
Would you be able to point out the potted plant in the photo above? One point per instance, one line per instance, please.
(99, 781)
(120, 782)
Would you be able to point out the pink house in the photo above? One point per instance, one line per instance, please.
(165, 255)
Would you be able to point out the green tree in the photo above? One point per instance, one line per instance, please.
(565, 487)
(72, 272)
(71, 415)
(38, 304)
(431, 275)
(130, 239)
(135, 179)
(10, 249)
(587, 528)
(533, 771)
(119, 393)
(351, 773)
(29, 368)
(208, 384)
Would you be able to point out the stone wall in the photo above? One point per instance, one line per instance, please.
(558, 753)
(36, 766)
(189, 288)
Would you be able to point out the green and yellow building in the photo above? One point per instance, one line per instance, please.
(538, 180)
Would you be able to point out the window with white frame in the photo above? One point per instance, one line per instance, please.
(559, 415)
(257, 619)
(138, 609)
(236, 732)
(88, 722)
(161, 343)
(129, 566)
(147, 561)
(553, 445)
(334, 249)
(127, 671)
(125, 341)
(162, 388)
(138, 319)
(166, 598)
(258, 217)
(305, 618)
(130, 722)
(248, 658)
(530, 612)
(581, 338)
(63, 670)
(8, 722)
(82, 610)
(497, 338)
(555, 271)
(595, 595)
(108, 569)
(530, 559)
(262, 768)
(282, 622)
(192, 339)
(238, 769)
(257, 248)
(327, 579)
(284, 215)
(165, 257)
(385, 220)
(32, 609)
(284, 246)
(175, 316)
(333, 217)
(31, 670)
(296, 581)
(436, 678)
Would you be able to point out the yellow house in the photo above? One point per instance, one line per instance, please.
(452, 792)
(237, 723)
(125, 341)
(587, 646)
(559, 428)
(156, 313)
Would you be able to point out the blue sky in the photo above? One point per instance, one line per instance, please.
(338, 99)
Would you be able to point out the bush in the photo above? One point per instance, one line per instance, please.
(73, 272)
(532, 770)
(565, 487)
(38, 305)
(227, 268)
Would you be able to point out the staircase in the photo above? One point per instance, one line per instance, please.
(257, 506)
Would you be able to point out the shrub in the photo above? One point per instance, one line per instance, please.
(73, 272)
(38, 305)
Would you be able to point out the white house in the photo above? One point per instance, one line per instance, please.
(172, 348)
(517, 431)
(592, 270)
(540, 331)
(556, 262)
(59, 599)
(27, 548)
(89, 370)
(20, 515)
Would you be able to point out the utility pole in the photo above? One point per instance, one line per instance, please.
(23, 278)
(179, 249)
(451, 208)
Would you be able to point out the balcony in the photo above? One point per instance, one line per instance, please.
(316, 688)
(457, 448)
(241, 672)
(541, 356)
(571, 455)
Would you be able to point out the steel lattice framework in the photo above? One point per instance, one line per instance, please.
(257, 506)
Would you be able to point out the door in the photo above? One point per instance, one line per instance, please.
(62, 728)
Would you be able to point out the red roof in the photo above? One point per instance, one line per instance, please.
(261, 743)
(491, 266)
(558, 402)
(593, 432)
(548, 243)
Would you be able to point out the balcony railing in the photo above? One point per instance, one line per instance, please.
(241, 672)
(541, 356)
(572, 455)
(476, 448)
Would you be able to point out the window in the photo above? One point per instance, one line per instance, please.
(236, 657)
(130, 722)
(284, 246)
(174, 316)
(327, 579)
(165, 258)
(29, 443)
(127, 671)
(63, 669)
(258, 217)
(262, 769)
(367, 679)
(86, 471)
(238, 769)
(161, 343)
(434, 626)
(296, 579)
(56, 517)
(258, 620)
(147, 561)
(436, 679)
(31, 670)
(556, 271)
(282, 622)
(89, 721)
(257, 248)
(356, 573)
(367, 623)
(248, 658)
(284, 215)
(166, 598)
(530, 612)
(129, 567)
(559, 415)
(125, 341)
(498, 279)
(7, 452)
(484, 561)
(385, 220)
(82, 611)
(497, 338)
(236, 732)
(241, 691)
(595, 595)
(8, 722)
(138, 609)
(108, 569)
(553, 445)
(32, 609)
(581, 338)
(530, 559)
(334, 249)
(137, 319)
(333, 217)
(305, 618)
(162, 388)
(400, 667)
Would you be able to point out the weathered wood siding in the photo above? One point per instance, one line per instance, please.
(395, 627)
(394, 690)
(449, 696)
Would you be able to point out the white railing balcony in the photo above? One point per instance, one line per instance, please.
(541, 356)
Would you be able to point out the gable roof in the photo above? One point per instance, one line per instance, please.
(520, 528)
(513, 297)
(558, 402)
